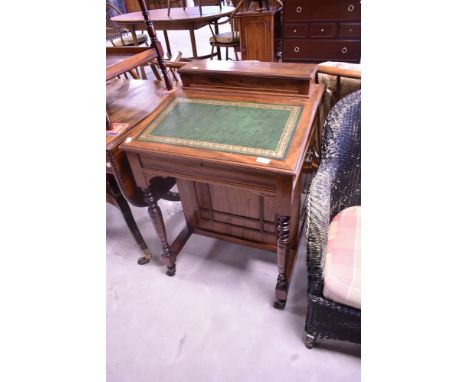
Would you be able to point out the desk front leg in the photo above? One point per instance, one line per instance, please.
(157, 219)
(284, 198)
(282, 253)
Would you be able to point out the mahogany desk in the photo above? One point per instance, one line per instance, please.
(179, 19)
(231, 192)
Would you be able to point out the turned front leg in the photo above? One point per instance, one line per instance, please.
(282, 251)
(158, 224)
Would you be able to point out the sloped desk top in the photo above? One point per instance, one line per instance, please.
(160, 137)
(249, 128)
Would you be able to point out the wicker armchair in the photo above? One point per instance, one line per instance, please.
(335, 187)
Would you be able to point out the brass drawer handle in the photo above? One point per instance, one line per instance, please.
(322, 30)
(296, 49)
(294, 30)
(350, 7)
(344, 50)
(299, 9)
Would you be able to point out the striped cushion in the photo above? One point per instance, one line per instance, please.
(128, 40)
(342, 270)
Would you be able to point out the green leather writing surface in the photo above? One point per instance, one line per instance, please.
(259, 129)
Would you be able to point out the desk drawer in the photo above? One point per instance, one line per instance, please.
(322, 30)
(322, 10)
(349, 30)
(209, 173)
(295, 30)
(322, 50)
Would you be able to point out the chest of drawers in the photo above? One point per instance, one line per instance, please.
(321, 30)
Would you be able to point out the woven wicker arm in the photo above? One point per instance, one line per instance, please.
(336, 186)
(337, 183)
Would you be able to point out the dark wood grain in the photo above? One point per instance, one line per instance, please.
(321, 30)
(179, 19)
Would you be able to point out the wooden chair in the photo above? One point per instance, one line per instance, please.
(229, 39)
(184, 5)
(119, 36)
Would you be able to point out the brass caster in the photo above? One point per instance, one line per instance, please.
(145, 259)
(279, 304)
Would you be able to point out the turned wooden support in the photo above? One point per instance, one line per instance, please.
(119, 201)
(158, 223)
(156, 44)
(283, 245)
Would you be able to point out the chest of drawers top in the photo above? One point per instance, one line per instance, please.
(321, 30)
(326, 10)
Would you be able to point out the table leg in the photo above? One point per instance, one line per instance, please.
(116, 195)
(168, 45)
(158, 223)
(218, 49)
(194, 43)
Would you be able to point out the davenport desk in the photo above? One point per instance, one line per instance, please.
(235, 137)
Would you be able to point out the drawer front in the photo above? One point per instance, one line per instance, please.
(322, 10)
(322, 30)
(349, 30)
(322, 50)
(295, 30)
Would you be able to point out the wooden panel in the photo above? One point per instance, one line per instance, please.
(234, 201)
(350, 30)
(256, 40)
(322, 9)
(322, 50)
(243, 233)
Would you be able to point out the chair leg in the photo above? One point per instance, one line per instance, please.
(134, 74)
(212, 51)
(143, 73)
(174, 74)
(310, 341)
(155, 72)
(235, 54)
(227, 54)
